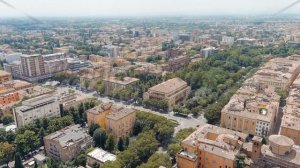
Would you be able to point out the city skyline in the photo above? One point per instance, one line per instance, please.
(105, 8)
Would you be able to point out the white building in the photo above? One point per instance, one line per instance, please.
(45, 106)
(99, 156)
(208, 51)
(227, 40)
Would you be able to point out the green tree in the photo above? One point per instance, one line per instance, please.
(157, 160)
(41, 136)
(7, 120)
(110, 143)
(126, 144)
(18, 161)
(6, 152)
(92, 128)
(26, 142)
(100, 138)
(173, 149)
(80, 160)
(239, 161)
(45, 123)
(120, 144)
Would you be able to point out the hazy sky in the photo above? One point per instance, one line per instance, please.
(145, 7)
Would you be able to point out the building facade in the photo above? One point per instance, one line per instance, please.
(120, 123)
(172, 91)
(45, 106)
(113, 83)
(251, 111)
(290, 123)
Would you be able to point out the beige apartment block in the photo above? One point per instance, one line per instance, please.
(115, 119)
(113, 83)
(5, 77)
(290, 124)
(212, 146)
(98, 114)
(45, 106)
(67, 143)
(174, 91)
(120, 123)
(251, 110)
(279, 72)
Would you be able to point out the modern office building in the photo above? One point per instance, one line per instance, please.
(67, 143)
(172, 91)
(45, 106)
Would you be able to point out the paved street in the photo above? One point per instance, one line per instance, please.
(183, 122)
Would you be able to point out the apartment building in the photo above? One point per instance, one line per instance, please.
(54, 56)
(67, 143)
(76, 64)
(33, 65)
(54, 63)
(251, 110)
(115, 119)
(45, 106)
(113, 83)
(120, 123)
(173, 91)
(99, 156)
(5, 76)
(98, 114)
(290, 123)
(212, 146)
(15, 68)
(90, 78)
(279, 72)
(206, 52)
(176, 63)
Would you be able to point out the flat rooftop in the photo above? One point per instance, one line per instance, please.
(125, 81)
(69, 135)
(36, 102)
(102, 155)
